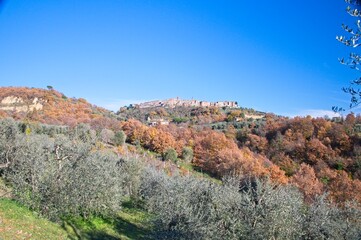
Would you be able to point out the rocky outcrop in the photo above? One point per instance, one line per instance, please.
(18, 104)
(176, 102)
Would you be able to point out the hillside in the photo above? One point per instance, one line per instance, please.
(241, 140)
(69, 144)
(18, 222)
(189, 114)
(52, 107)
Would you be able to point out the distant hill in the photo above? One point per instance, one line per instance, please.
(52, 107)
(188, 111)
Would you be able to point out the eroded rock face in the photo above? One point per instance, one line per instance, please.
(11, 100)
(13, 103)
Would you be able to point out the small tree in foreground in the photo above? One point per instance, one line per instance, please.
(354, 60)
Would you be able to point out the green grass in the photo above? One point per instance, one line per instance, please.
(18, 222)
(197, 172)
(130, 223)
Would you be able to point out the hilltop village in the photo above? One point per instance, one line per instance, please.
(176, 102)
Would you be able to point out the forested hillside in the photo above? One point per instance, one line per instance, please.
(55, 108)
(316, 154)
(217, 173)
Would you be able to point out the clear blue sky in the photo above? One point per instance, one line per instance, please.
(275, 56)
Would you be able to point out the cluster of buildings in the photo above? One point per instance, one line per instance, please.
(176, 102)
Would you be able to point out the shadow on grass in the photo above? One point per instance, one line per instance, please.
(131, 230)
(97, 235)
(131, 223)
(137, 227)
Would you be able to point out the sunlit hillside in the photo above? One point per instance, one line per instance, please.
(90, 170)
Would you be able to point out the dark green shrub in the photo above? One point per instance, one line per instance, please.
(170, 155)
(187, 154)
(180, 120)
(119, 138)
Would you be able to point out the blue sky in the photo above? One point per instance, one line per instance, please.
(274, 56)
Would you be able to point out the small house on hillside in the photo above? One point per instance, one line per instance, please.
(157, 122)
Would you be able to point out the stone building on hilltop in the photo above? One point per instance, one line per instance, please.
(176, 102)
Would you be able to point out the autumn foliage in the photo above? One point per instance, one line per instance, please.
(314, 154)
(221, 156)
(151, 138)
(318, 154)
(58, 109)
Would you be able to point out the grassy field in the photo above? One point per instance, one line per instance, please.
(17, 222)
(130, 223)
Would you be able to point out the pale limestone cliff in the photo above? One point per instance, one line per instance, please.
(17, 104)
